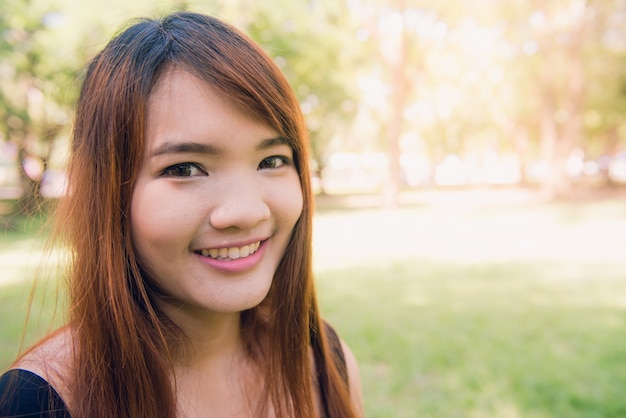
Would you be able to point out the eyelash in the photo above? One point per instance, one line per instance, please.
(283, 162)
(169, 171)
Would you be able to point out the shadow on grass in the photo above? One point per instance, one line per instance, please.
(490, 340)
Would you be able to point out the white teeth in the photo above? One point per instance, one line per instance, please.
(232, 253)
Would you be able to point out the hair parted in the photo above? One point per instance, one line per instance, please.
(122, 342)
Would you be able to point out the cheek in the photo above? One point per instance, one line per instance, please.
(158, 224)
(292, 203)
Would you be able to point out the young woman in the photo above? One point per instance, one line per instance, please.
(188, 217)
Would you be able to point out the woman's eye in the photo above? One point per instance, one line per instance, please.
(184, 170)
(272, 162)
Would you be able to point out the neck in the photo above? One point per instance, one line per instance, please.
(212, 369)
(208, 336)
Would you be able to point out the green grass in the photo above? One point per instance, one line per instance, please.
(21, 249)
(463, 310)
(481, 311)
(500, 340)
(16, 333)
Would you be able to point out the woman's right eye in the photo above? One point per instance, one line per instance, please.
(184, 170)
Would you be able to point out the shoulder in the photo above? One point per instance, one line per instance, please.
(349, 367)
(46, 365)
(354, 378)
(26, 394)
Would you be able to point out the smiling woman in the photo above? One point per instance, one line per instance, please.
(218, 186)
(189, 222)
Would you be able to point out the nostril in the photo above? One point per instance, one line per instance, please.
(242, 215)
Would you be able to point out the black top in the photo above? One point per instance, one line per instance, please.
(24, 394)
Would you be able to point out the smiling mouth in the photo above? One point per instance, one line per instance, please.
(230, 253)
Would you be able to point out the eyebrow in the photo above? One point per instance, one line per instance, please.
(272, 142)
(190, 147)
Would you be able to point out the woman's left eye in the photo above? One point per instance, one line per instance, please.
(272, 162)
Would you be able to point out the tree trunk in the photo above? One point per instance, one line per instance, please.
(560, 134)
(399, 87)
(30, 200)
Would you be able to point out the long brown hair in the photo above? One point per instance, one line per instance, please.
(122, 365)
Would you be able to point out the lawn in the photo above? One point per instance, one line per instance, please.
(21, 258)
(459, 309)
(471, 310)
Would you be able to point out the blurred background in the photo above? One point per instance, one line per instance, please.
(470, 174)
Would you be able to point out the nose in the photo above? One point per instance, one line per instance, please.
(240, 205)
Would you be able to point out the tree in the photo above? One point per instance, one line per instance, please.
(447, 77)
(29, 124)
(43, 49)
(508, 76)
(314, 44)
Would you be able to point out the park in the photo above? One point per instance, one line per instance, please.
(469, 168)
(484, 304)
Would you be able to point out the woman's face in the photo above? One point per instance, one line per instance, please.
(215, 202)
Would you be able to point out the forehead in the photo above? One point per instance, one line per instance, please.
(176, 84)
(176, 80)
(183, 107)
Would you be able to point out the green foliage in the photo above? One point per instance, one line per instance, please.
(315, 45)
(477, 73)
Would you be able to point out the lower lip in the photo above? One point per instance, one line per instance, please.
(238, 265)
